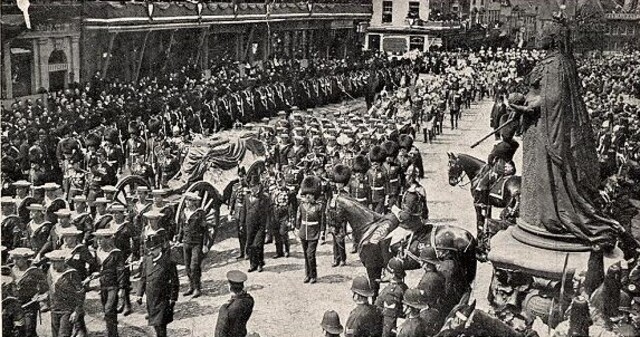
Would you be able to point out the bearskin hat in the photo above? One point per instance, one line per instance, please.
(93, 140)
(377, 154)
(341, 174)
(360, 164)
(154, 125)
(405, 142)
(391, 148)
(310, 185)
(517, 98)
(133, 128)
(111, 135)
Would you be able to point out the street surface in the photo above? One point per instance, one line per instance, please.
(284, 305)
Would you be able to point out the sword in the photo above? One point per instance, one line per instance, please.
(498, 129)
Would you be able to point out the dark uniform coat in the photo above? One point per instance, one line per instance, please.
(413, 327)
(309, 220)
(66, 293)
(159, 280)
(234, 315)
(254, 216)
(364, 321)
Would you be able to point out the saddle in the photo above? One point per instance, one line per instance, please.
(498, 188)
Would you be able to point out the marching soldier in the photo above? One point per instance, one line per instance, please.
(140, 166)
(377, 177)
(414, 198)
(359, 188)
(389, 302)
(365, 319)
(331, 324)
(394, 174)
(55, 238)
(309, 223)
(338, 226)
(159, 276)
(409, 155)
(74, 176)
(99, 175)
(29, 282)
(169, 165)
(135, 144)
(66, 294)
(193, 230)
(254, 216)
(236, 204)
(281, 218)
(114, 153)
(102, 217)
(10, 221)
(234, 315)
(112, 276)
(123, 236)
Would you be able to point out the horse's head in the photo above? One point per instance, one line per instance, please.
(456, 170)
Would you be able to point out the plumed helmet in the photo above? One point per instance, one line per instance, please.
(405, 142)
(517, 98)
(396, 266)
(154, 125)
(361, 286)
(377, 154)
(391, 148)
(341, 174)
(331, 323)
(360, 164)
(111, 135)
(133, 127)
(310, 185)
(417, 298)
(93, 140)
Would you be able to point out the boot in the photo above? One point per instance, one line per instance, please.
(190, 291)
(425, 133)
(127, 303)
(197, 292)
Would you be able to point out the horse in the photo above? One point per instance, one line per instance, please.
(375, 247)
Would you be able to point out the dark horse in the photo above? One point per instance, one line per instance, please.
(464, 164)
(374, 247)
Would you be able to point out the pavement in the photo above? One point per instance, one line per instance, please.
(285, 306)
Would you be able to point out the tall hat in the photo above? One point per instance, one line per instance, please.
(310, 185)
(111, 135)
(391, 148)
(361, 286)
(360, 164)
(377, 154)
(331, 322)
(341, 174)
(405, 142)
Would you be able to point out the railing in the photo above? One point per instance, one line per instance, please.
(622, 16)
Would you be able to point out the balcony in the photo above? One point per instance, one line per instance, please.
(622, 16)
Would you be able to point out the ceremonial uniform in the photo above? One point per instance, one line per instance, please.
(112, 279)
(364, 321)
(379, 182)
(394, 184)
(389, 302)
(234, 315)
(281, 221)
(236, 203)
(309, 222)
(193, 229)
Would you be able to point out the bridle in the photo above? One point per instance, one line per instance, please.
(460, 177)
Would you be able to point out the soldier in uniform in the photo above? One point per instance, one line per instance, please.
(123, 236)
(414, 199)
(112, 276)
(234, 315)
(338, 226)
(309, 220)
(66, 294)
(29, 282)
(414, 301)
(12, 311)
(140, 166)
(359, 188)
(114, 153)
(135, 144)
(193, 229)
(10, 221)
(75, 176)
(81, 218)
(281, 222)
(169, 165)
(102, 217)
(238, 192)
(394, 174)
(389, 302)
(365, 320)
(36, 233)
(53, 200)
(378, 180)
(22, 192)
(159, 276)
(409, 155)
(254, 216)
(331, 324)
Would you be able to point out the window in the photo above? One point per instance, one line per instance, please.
(481, 2)
(416, 42)
(414, 10)
(387, 11)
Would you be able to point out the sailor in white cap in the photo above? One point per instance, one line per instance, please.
(124, 238)
(102, 217)
(29, 281)
(37, 230)
(66, 294)
(22, 191)
(193, 234)
(81, 217)
(112, 278)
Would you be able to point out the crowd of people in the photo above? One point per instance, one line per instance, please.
(62, 227)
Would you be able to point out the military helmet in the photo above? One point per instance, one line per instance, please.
(377, 154)
(416, 298)
(331, 322)
(405, 142)
(361, 286)
(341, 174)
(360, 164)
(396, 266)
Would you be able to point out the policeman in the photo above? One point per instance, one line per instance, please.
(338, 226)
(255, 216)
(331, 324)
(112, 277)
(389, 302)
(193, 229)
(365, 319)
(414, 301)
(377, 177)
(29, 282)
(159, 276)
(309, 223)
(66, 294)
(234, 315)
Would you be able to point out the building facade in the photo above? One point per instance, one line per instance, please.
(71, 41)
